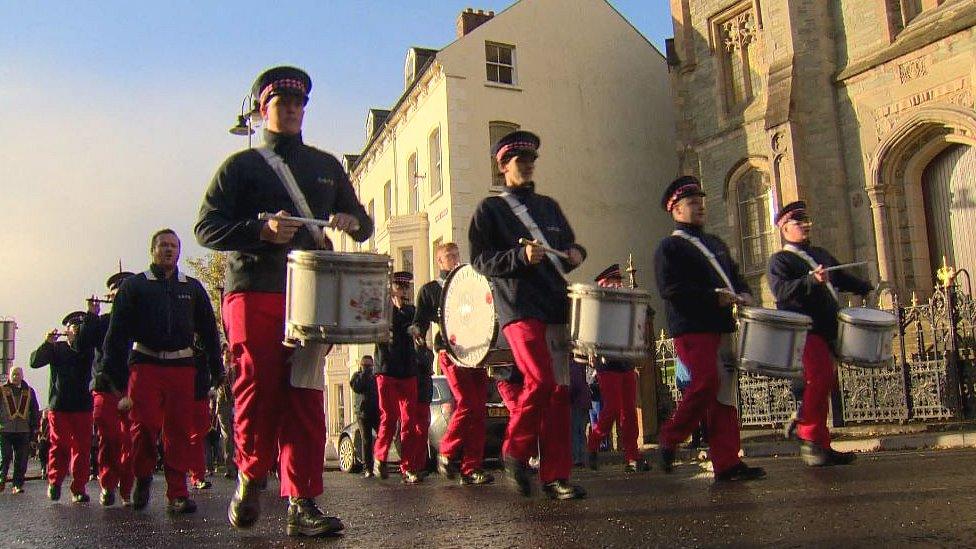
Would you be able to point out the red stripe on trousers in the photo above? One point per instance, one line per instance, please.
(198, 440)
(114, 444)
(820, 378)
(618, 392)
(162, 397)
(71, 435)
(268, 412)
(699, 353)
(555, 440)
(398, 403)
(466, 430)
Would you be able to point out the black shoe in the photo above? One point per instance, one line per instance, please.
(561, 489)
(181, 506)
(230, 474)
(80, 498)
(593, 460)
(839, 458)
(54, 492)
(379, 469)
(813, 455)
(446, 467)
(637, 466)
(477, 477)
(107, 497)
(245, 506)
(140, 493)
(740, 472)
(665, 457)
(368, 473)
(306, 519)
(789, 428)
(409, 477)
(202, 485)
(17, 490)
(519, 472)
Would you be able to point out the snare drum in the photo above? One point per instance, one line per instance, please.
(771, 341)
(608, 322)
(336, 297)
(468, 324)
(865, 336)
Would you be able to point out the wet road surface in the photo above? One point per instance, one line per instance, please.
(919, 499)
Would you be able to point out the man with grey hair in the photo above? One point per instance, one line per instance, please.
(19, 419)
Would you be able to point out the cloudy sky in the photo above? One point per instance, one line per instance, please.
(116, 116)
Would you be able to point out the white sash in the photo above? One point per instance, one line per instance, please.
(297, 197)
(522, 213)
(813, 266)
(708, 255)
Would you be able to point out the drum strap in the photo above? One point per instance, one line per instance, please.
(522, 213)
(708, 255)
(297, 197)
(813, 265)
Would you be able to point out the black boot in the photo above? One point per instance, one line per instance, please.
(593, 460)
(477, 477)
(379, 469)
(80, 498)
(562, 489)
(446, 467)
(181, 506)
(54, 491)
(409, 477)
(140, 493)
(107, 497)
(245, 506)
(306, 519)
(520, 473)
(665, 456)
(637, 466)
(813, 455)
(839, 458)
(741, 472)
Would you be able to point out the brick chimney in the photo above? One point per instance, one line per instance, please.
(469, 20)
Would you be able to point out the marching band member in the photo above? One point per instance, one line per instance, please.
(690, 266)
(149, 352)
(269, 411)
(465, 434)
(532, 305)
(618, 388)
(69, 404)
(801, 284)
(396, 384)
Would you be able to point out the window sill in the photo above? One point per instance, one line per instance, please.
(501, 86)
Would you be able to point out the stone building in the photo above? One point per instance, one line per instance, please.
(863, 108)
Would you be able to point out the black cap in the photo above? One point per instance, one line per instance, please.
(115, 280)
(73, 318)
(279, 80)
(402, 277)
(794, 211)
(514, 143)
(610, 273)
(682, 187)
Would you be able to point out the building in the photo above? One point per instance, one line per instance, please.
(863, 108)
(578, 74)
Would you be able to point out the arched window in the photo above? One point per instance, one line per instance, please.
(757, 235)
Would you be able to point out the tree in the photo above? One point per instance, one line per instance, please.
(210, 270)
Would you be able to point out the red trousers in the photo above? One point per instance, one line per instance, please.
(114, 444)
(162, 400)
(618, 391)
(527, 338)
(555, 440)
(71, 437)
(398, 403)
(272, 418)
(819, 376)
(699, 353)
(466, 430)
(198, 440)
(421, 431)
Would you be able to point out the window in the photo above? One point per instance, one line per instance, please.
(434, 146)
(756, 231)
(339, 419)
(413, 183)
(387, 201)
(372, 237)
(406, 260)
(500, 63)
(738, 41)
(496, 131)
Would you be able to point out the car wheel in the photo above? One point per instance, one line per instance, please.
(347, 455)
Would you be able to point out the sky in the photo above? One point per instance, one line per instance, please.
(116, 116)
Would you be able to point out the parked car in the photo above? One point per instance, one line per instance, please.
(441, 408)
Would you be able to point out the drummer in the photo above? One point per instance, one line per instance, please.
(465, 434)
(269, 412)
(532, 305)
(618, 387)
(801, 284)
(699, 283)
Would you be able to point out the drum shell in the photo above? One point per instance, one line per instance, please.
(609, 322)
(864, 343)
(337, 297)
(771, 343)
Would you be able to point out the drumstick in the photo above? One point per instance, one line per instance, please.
(307, 220)
(844, 266)
(547, 249)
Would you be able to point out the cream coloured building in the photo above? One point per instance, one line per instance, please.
(576, 73)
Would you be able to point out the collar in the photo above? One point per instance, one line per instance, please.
(693, 230)
(155, 273)
(804, 245)
(280, 142)
(522, 190)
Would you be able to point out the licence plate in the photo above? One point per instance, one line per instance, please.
(498, 412)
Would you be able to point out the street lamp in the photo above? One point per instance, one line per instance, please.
(245, 122)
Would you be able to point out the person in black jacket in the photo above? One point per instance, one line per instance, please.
(270, 413)
(531, 301)
(70, 404)
(148, 352)
(699, 283)
(396, 384)
(800, 283)
(363, 384)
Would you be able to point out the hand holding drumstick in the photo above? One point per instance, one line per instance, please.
(535, 251)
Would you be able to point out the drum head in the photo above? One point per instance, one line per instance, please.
(775, 316)
(866, 316)
(469, 326)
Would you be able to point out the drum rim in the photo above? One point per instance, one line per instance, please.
(792, 318)
(582, 289)
(440, 321)
(305, 257)
(845, 316)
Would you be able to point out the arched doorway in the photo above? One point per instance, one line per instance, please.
(949, 192)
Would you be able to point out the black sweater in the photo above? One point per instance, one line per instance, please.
(71, 372)
(687, 281)
(429, 310)
(522, 290)
(245, 185)
(398, 358)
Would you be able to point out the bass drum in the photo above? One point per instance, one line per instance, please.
(468, 324)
